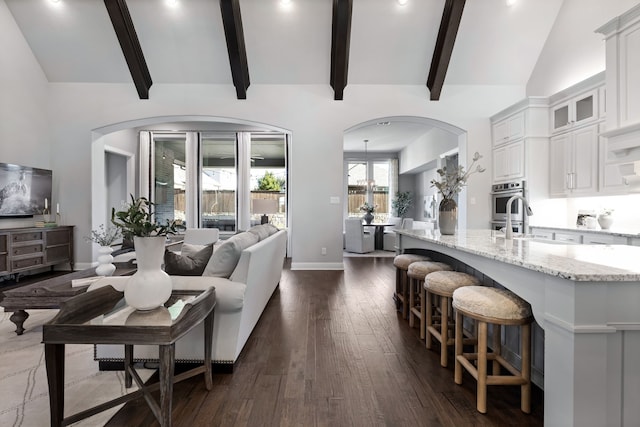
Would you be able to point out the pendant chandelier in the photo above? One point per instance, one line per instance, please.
(369, 184)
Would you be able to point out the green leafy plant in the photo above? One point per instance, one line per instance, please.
(137, 219)
(269, 182)
(104, 236)
(451, 182)
(402, 203)
(366, 207)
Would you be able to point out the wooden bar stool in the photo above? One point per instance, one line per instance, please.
(416, 274)
(442, 284)
(402, 263)
(497, 307)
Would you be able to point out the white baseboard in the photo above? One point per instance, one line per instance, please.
(317, 266)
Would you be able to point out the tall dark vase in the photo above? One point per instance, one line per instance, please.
(448, 216)
(368, 217)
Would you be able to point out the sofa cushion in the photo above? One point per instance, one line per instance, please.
(190, 249)
(187, 265)
(272, 229)
(225, 258)
(260, 231)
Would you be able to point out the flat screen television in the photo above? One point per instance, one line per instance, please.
(23, 190)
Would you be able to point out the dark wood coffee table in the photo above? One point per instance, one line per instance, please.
(50, 293)
(100, 317)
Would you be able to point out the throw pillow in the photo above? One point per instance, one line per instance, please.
(260, 231)
(272, 229)
(226, 257)
(187, 265)
(188, 249)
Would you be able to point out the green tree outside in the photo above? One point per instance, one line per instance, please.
(269, 182)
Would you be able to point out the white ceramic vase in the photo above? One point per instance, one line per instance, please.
(105, 268)
(605, 221)
(149, 287)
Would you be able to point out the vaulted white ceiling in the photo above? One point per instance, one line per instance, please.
(74, 41)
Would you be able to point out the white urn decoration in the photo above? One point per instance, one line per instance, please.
(105, 267)
(605, 219)
(149, 287)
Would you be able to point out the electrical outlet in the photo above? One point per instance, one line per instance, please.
(323, 251)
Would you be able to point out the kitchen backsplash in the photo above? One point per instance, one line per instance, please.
(563, 212)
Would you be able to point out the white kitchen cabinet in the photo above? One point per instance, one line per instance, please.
(610, 178)
(573, 163)
(568, 237)
(603, 239)
(509, 129)
(508, 162)
(585, 236)
(574, 111)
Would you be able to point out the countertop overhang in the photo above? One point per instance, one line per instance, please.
(580, 263)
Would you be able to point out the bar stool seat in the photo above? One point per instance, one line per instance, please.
(442, 284)
(402, 263)
(497, 307)
(416, 274)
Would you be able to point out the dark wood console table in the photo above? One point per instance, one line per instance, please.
(28, 248)
(100, 317)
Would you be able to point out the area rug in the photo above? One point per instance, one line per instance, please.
(23, 377)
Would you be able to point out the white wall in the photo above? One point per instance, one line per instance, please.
(24, 137)
(316, 121)
(425, 149)
(573, 51)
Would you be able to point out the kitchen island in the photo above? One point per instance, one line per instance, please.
(587, 300)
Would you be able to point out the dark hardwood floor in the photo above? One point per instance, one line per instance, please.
(331, 350)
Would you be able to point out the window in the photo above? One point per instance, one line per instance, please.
(268, 177)
(218, 182)
(207, 179)
(368, 182)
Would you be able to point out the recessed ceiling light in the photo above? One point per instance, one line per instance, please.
(172, 3)
(285, 1)
(403, 2)
(54, 1)
(510, 2)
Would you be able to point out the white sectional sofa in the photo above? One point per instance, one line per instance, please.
(241, 299)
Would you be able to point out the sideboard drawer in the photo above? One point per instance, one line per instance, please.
(26, 250)
(26, 237)
(19, 264)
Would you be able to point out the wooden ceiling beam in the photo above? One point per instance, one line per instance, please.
(232, 22)
(340, 40)
(447, 33)
(126, 33)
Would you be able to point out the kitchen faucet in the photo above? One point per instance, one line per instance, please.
(509, 230)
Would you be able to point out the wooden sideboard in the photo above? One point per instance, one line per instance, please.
(24, 249)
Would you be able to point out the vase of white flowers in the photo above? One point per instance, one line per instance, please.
(450, 184)
(104, 237)
(368, 210)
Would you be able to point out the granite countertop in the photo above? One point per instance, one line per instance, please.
(599, 263)
(613, 232)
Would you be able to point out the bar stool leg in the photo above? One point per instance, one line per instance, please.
(458, 348)
(405, 288)
(444, 330)
(423, 313)
(412, 300)
(429, 319)
(482, 368)
(525, 389)
(497, 347)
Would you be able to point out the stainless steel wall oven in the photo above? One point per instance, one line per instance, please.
(500, 195)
